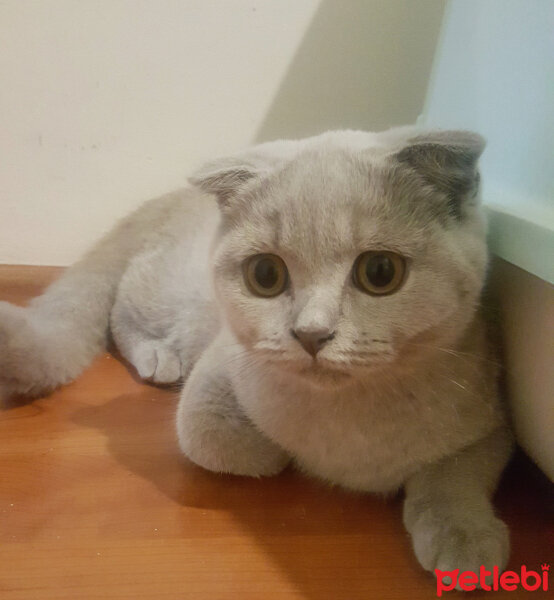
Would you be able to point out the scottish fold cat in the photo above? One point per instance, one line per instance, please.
(320, 300)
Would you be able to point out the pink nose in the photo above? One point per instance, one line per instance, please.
(312, 340)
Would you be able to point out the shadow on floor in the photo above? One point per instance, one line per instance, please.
(140, 431)
(140, 434)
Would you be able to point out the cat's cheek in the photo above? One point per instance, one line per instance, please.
(252, 320)
(244, 331)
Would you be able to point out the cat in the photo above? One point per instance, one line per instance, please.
(320, 299)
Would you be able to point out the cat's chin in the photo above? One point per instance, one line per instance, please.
(322, 375)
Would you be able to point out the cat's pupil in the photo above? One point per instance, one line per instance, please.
(266, 273)
(379, 270)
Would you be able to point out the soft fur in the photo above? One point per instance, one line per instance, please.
(403, 395)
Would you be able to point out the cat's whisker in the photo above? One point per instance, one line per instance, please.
(456, 353)
(458, 384)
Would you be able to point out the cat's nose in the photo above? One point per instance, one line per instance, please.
(312, 340)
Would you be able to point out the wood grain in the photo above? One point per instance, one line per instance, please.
(96, 502)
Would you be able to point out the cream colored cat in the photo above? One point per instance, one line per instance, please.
(319, 297)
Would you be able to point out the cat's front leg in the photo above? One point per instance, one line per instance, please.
(449, 514)
(213, 430)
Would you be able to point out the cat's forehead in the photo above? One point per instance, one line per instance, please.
(331, 204)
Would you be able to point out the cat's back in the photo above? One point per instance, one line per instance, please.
(164, 301)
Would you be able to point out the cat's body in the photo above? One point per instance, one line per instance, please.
(164, 314)
(369, 390)
(371, 436)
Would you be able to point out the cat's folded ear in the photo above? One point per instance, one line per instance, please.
(226, 177)
(446, 160)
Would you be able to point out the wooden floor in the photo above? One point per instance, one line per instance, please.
(97, 502)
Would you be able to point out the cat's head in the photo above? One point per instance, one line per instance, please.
(349, 252)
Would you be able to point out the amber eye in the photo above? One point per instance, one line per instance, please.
(379, 272)
(265, 275)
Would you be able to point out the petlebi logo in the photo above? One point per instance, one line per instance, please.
(492, 581)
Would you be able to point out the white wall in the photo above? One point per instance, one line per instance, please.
(494, 73)
(527, 309)
(104, 103)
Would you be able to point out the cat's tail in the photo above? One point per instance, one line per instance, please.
(51, 341)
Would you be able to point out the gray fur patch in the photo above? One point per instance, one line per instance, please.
(448, 163)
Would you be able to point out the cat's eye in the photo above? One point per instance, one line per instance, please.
(266, 275)
(379, 272)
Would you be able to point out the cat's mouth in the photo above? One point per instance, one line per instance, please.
(325, 371)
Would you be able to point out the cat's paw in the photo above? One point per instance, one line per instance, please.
(225, 443)
(156, 361)
(244, 455)
(465, 546)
